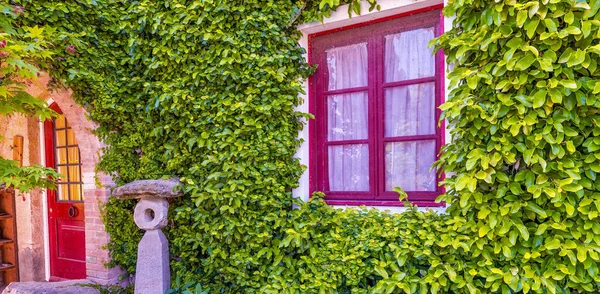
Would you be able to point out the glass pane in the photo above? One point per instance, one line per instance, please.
(63, 192)
(60, 122)
(408, 165)
(410, 110)
(349, 168)
(61, 139)
(63, 174)
(73, 155)
(407, 55)
(61, 156)
(71, 137)
(75, 190)
(347, 116)
(74, 174)
(348, 66)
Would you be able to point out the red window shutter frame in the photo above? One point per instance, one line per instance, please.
(318, 173)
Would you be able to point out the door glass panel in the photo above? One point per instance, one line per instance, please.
(410, 110)
(75, 190)
(71, 137)
(63, 192)
(408, 56)
(61, 138)
(74, 175)
(60, 122)
(348, 66)
(349, 167)
(64, 176)
(61, 156)
(73, 155)
(347, 116)
(408, 165)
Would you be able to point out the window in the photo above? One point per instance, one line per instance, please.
(375, 95)
(67, 163)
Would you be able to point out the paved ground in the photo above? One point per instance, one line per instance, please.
(67, 287)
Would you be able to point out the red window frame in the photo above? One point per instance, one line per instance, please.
(373, 34)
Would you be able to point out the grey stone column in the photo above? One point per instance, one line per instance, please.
(153, 275)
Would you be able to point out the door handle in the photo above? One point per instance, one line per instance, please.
(72, 212)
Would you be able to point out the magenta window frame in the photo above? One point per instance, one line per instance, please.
(372, 33)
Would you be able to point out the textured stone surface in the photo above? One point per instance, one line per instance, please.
(148, 189)
(152, 270)
(67, 287)
(151, 213)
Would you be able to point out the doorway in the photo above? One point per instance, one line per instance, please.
(66, 221)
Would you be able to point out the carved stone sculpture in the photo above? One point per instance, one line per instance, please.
(152, 271)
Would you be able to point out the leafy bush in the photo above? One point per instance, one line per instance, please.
(206, 90)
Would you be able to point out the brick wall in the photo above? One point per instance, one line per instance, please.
(90, 147)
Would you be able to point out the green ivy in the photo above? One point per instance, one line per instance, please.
(207, 90)
(524, 116)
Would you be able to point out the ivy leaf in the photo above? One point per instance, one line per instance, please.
(525, 62)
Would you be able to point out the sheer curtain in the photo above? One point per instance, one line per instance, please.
(409, 111)
(347, 116)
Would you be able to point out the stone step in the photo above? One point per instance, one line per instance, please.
(64, 287)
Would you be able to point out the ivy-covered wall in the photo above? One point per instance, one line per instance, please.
(206, 90)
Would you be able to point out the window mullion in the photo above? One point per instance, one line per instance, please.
(374, 115)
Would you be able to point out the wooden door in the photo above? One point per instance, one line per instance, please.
(66, 224)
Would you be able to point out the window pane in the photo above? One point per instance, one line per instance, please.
(347, 116)
(75, 190)
(71, 137)
(60, 122)
(410, 110)
(349, 167)
(348, 66)
(63, 174)
(61, 156)
(61, 138)
(407, 55)
(74, 155)
(63, 192)
(408, 164)
(74, 174)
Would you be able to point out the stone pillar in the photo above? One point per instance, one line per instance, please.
(150, 214)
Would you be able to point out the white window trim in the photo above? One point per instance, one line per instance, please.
(339, 19)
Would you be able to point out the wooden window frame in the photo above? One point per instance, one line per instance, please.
(372, 33)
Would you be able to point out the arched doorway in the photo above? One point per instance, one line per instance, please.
(66, 220)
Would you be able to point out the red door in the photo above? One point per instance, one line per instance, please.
(66, 224)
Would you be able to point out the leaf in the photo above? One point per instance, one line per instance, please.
(531, 27)
(539, 98)
(521, 18)
(383, 273)
(525, 62)
(535, 208)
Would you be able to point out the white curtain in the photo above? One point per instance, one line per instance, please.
(409, 110)
(407, 55)
(347, 118)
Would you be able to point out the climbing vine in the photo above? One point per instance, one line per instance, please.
(206, 90)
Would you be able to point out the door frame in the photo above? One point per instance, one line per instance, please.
(44, 195)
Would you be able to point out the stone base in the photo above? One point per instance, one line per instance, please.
(66, 287)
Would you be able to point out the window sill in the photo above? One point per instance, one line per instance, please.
(384, 203)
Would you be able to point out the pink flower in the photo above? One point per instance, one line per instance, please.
(19, 10)
(71, 49)
(2, 43)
